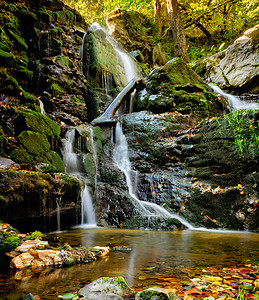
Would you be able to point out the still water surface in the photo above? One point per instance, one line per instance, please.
(153, 255)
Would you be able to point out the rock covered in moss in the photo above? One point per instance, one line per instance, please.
(110, 287)
(175, 87)
(156, 293)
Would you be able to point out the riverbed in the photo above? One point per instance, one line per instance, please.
(141, 257)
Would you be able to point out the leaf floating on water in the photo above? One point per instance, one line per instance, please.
(149, 268)
(142, 277)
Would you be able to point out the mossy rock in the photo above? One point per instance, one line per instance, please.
(176, 87)
(56, 161)
(37, 122)
(19, 42)
(22, 157)
(35, 143)
(3, 142)
(10, 85)
(7, 59)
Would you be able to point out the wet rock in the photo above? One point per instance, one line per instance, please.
(156, 293)
(113, 286)
(175, 87)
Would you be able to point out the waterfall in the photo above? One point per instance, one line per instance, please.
(121, 160)
(234, 101)
(42, 110)
(95, 157)
(127, 61)
(73, 167)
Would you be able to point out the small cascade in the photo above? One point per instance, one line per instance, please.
(73, 167)
(42, 110)
(121, 159)
(234, 101)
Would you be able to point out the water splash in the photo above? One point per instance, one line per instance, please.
(234, 101)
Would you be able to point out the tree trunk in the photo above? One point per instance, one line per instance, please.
(157, 11)
(180, 45)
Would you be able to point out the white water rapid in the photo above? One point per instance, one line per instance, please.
(234, 102)
(121, 160)
(74, 168)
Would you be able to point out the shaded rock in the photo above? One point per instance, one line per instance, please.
(114, 285)
(29, 297)
(156, 293)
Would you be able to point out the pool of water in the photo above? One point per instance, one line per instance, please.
(149, 255)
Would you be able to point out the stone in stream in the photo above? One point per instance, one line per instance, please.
(105, 288)
(156, 293)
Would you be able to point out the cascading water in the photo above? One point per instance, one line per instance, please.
(127, 61)
(121, 160)
(234, 102)
(73, 167)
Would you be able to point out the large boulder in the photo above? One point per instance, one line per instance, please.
(236, 68)
(105, 288)
(176, 87)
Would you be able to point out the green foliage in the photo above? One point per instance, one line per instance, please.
(35, 235)
(18, 40)
(10, 242)
(245, 125)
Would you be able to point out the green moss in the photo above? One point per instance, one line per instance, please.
(19, 42)
(56, 161)
(24, 73)
(35, 235)
(7, 59)
(35, 143)
(37, 122)
(56, 43)
(21, 156)
(63, 61)
(68, 260)
(4, 48)
(3, 142)
(54, 87)
(10, 85)
(10, 242)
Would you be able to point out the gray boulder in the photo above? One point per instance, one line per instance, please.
(105, 288)
(237, 66)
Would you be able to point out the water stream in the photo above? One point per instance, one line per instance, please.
(121, 159)
(73, 167)
(235, 102)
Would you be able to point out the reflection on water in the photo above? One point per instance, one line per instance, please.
(154, 254)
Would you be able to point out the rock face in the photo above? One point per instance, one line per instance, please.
(199, 173)
(237, 67)
(28, 200)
